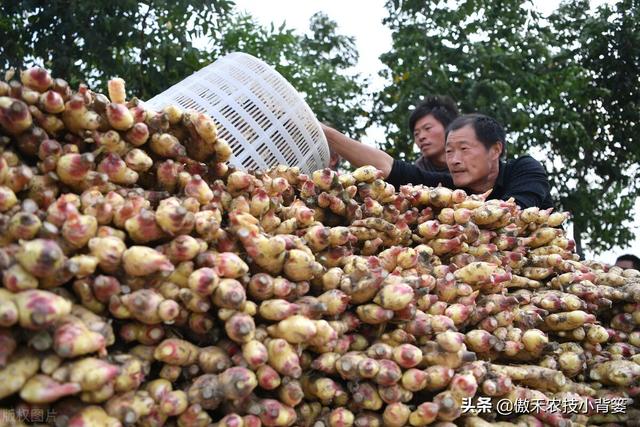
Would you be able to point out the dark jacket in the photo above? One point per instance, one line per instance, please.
(523, 178)
(424, 164)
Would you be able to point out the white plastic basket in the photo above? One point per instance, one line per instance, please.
(262, 117)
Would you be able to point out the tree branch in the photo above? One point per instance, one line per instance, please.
(143, 90)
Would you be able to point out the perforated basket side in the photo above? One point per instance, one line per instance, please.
(262, 117)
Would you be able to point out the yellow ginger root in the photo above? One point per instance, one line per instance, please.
(21, 366)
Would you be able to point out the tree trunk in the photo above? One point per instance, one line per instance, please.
(577, 237)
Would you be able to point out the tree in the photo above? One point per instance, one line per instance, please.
(149, 44)
(598, 131)
(153, 45)
(549, 82)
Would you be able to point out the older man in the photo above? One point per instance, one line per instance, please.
(474, 150)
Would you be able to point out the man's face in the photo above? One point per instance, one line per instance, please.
(428, 134)
(624, 263)
(468, 160)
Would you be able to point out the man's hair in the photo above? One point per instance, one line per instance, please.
(443, 108)
(635, 261)
(488, 130)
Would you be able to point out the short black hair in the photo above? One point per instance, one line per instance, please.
(635, 261)
(488, 130)
(443, 108)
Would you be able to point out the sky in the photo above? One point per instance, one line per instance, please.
(362, 19)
